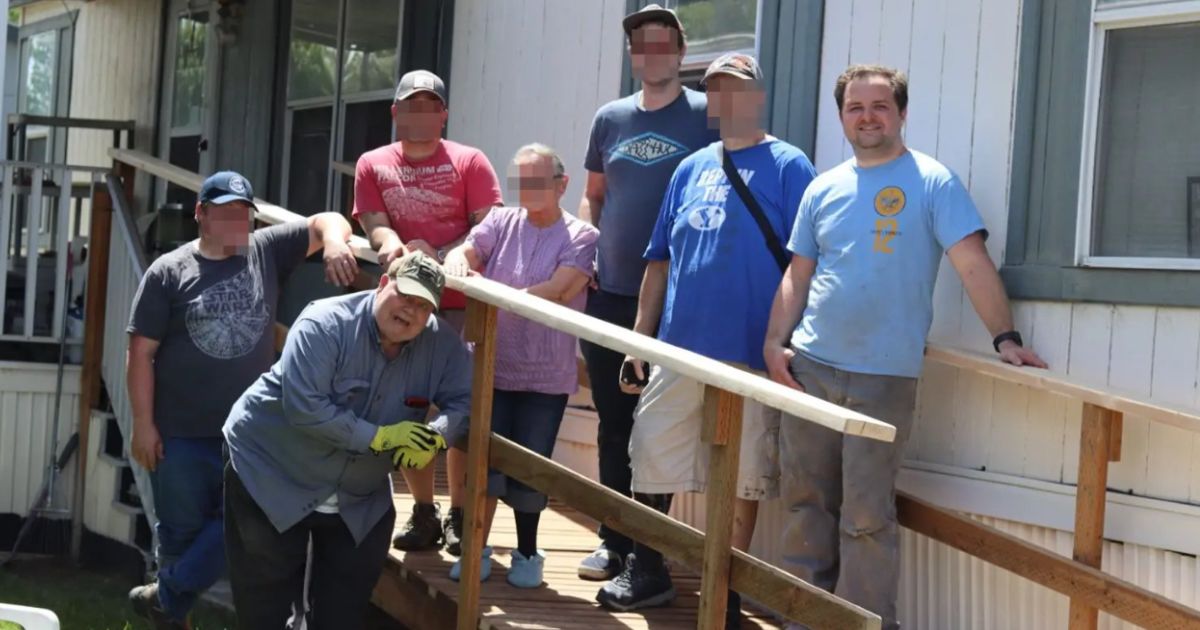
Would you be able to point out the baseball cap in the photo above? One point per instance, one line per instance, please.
(739, 65)
(226, 186)
(420, 81)
(650, 12)
(418, 275)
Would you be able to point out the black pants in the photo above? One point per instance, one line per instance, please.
(614, 407)
(266, 567)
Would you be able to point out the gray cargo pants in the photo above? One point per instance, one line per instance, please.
(840, 490)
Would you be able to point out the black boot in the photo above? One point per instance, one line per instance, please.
(423, 531)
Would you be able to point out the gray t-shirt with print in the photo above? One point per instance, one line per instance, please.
(213, 320)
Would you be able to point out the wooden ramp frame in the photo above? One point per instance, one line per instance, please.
(1079, 578)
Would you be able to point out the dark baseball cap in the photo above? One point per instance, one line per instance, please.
(418, 275)
(225, 187)
(649, 13)
(738, 65)
(420, 81)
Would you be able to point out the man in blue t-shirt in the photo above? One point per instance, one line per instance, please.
(707, 288)
(849, 324)
(636, 143)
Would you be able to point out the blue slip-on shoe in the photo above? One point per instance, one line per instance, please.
(485, 567)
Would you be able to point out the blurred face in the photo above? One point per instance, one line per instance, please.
(532, 177)
(419, 118)
(870, 118)
(655, 54)
(735, 104)
(226, 225)
(400, 317)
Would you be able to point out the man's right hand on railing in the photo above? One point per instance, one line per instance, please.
(146, 444)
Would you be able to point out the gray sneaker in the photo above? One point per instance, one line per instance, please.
(601, 565)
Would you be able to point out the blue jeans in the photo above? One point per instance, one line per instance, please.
(189, 506)
(530, 419)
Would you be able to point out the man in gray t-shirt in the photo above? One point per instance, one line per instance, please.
(201, 331)
(635, 145)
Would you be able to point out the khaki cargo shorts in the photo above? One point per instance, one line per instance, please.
(667, 455)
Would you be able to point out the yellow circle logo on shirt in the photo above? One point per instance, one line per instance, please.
(889, 201)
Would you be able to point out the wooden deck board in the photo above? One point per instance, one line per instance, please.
(565, 602)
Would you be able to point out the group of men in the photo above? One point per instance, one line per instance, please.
(713, 236)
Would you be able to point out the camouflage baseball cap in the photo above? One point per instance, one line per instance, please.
(418, 275)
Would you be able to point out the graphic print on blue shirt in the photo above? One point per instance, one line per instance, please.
(648, 148)
(877, 235)
(722, 277)
(636, 151)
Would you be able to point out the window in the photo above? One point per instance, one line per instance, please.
(715, 27)
(1140, 139)
(343, 67)
(45, 75)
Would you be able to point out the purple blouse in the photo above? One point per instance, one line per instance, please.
(529, 356)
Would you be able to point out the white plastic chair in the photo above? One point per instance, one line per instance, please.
(29, 618)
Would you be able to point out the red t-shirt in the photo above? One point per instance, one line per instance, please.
(430, 199)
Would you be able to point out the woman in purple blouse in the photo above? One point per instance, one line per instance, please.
(546, 252)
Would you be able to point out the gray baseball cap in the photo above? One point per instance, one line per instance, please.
(421, 81)
(739, 65)
(648, 13)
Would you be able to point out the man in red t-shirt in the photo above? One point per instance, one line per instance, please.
(425, 193)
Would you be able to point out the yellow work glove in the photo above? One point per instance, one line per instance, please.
(407, 434)
(412, 458)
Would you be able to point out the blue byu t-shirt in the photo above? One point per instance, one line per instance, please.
(722, 276)
(877, 235)
(637, 151)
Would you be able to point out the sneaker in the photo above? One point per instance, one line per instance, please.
(423, 531)
(452, 531)
(639, 585)
(603, 564)
(144, 600)
(485, 567)
(526, 572)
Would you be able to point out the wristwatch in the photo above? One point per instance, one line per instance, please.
(1011, 335)
(441, 255)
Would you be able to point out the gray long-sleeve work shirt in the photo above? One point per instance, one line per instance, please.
(301, 432)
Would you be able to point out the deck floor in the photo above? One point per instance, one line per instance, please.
(565, 601)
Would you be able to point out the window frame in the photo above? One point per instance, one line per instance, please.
(1108, 17)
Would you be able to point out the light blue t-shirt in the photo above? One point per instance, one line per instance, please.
(722, 276)
(637, 150)
(877, 235)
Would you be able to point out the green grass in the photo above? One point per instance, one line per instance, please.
(85, 600)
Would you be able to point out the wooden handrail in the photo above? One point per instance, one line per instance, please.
(690, 364)
(1071, 387)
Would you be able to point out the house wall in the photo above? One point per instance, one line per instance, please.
(27, 393)
(1006, 453)
(533, 71)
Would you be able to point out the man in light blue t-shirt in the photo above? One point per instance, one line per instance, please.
(849, 324)
(636, 142)
(710, 276)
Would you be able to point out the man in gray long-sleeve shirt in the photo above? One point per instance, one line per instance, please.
(309, 442)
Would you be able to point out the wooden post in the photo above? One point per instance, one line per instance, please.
(1095, 450)
(722, 431)
(93, 348)
(481, 330)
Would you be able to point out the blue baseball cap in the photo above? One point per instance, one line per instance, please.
(226, 186)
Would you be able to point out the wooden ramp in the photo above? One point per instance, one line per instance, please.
(416, 591)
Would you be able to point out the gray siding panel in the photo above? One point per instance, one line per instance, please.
(791, 51)
(244, 115)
